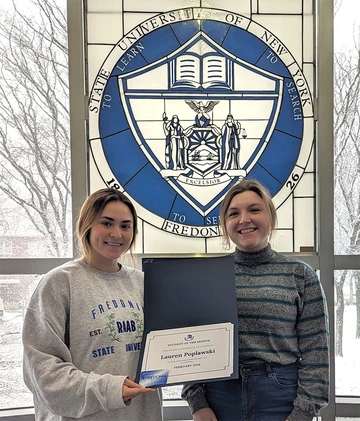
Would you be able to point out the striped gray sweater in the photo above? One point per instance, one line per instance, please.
(282, 318)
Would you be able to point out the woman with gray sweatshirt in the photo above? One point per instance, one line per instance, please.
(84, 324)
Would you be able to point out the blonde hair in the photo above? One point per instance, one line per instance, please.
(92, 209)
(241, 187)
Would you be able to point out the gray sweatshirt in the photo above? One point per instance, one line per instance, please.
(81, 336)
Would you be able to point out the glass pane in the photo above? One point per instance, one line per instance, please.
(347, 332)
(173, 392)
(199, 98)
(347, 126)
(15, 292)
(35, 201)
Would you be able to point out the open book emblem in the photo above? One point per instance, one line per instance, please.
(195, 133)
(196, 71)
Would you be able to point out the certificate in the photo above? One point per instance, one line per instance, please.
(197, 353)
(190, 321)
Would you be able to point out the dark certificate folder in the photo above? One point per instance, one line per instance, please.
(191, 322)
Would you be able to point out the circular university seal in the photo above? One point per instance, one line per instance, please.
(190, 102)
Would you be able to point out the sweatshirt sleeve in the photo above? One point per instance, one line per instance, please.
(313, 337)
(195, 395)
(48, 369)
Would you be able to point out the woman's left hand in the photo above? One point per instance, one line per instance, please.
(132, 389)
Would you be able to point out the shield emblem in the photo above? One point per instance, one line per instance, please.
(190, 114)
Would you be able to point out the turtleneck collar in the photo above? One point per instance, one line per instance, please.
(254, 258)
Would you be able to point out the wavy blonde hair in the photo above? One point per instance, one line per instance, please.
(241, 187)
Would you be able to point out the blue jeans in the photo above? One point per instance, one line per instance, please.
(264, 392)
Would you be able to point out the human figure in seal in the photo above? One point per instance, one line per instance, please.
(176, 143)
(229, 142)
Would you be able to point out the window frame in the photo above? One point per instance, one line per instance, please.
(324, 260)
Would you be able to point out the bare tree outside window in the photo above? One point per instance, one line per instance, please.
(347, 171)
(35, 196)
(347, 194)
(34, 122)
